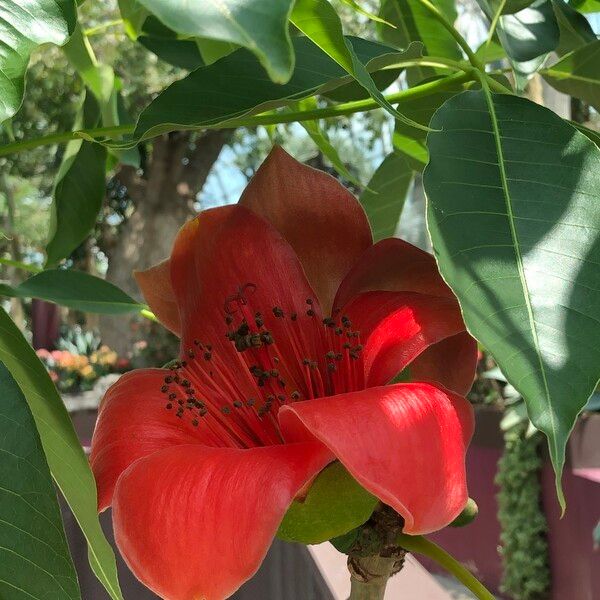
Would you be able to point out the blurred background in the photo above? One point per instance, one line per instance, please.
(519, 546)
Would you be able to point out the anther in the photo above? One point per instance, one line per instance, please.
(164, 389)
(294, 316)
(310, 312)
(295, 395)
(225, 410)
(238, 404)
(278, 312)
(195, 422)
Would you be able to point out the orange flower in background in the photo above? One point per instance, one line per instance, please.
(292, 325)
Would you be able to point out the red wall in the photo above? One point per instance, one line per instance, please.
(575, 565)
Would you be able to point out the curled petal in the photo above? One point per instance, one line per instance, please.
(323, 222)
(133, 422)
(229, 262)
(156, 287)
(396, 266)
(195, 523)
(404, 443)
(395, 327)
(451, 362)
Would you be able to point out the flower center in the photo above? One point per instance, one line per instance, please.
(273, 361)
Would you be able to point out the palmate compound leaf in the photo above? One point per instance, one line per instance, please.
(34, 556)
(514, 216)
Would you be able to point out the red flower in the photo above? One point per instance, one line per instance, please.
(292, 323)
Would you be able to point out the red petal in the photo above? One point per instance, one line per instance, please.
(395, 327)
(393, 265)
(323, 222)
(155, 284)
(404, 443)
(195, 522)
(217, 254)
(452, 362)
(133, 422)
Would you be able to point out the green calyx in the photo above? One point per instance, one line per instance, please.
(335, 504)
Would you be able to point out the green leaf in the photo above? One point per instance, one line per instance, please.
(66, 459)
(319, 21)
(529, 33)
(321, 139)
(77, 290)
(79, 191)
(511, 6)
(590, 133)
(410, 141)
(335, 504)
(134, 15)
(586, 6)
(414, 23)
(254, 24)
(213, 50)
(578, 74)
(514, 216)
(163, 42)
(383, 200)
(211, 86)
(34, 556)
(575, 29)
(490, 53)
(100, 79)
(25, 25)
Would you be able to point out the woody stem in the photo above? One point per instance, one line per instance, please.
(369, 575)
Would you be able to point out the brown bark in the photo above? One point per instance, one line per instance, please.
(163, 195)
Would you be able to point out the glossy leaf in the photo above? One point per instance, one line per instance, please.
(590, 133)
(25, 25)
(411, 141)
(254, 24)
(66, 459)
(163, 42)
(578, 74)
(77, 290)
(210, 86)
(34, 556)
(383, 200)
(212, 50)
(575, 29)
(512, 6)
(514, 216)
(529, 33)
(335, 504)
(79, 190)
(319, 22)
(414, 23)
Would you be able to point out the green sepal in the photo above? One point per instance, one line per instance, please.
(335, 504)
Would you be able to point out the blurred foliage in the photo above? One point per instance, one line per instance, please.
(524, 549)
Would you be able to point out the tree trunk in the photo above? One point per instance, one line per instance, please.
(164, 196)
